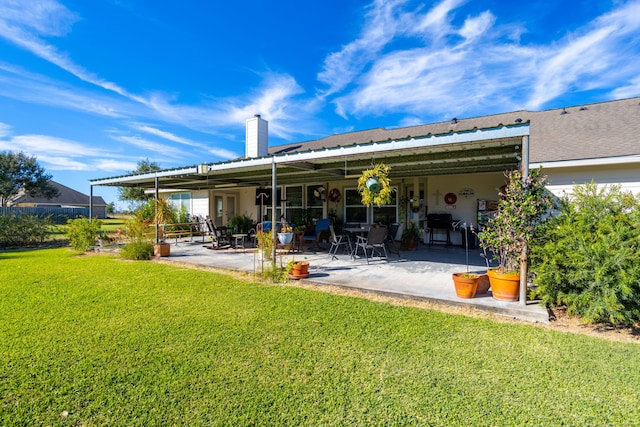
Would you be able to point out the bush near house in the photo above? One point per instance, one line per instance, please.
(589, 260)
(23, 230)
(83, 233)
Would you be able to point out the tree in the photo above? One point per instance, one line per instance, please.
(135, 194)
(22, 173)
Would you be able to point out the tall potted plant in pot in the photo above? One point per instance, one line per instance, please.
(164, 213)
(522, 206)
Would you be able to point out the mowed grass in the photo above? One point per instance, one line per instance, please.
(93, 340)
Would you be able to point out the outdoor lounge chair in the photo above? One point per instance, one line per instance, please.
(219, 235)
(321, 232)
(338, 241)
(373, 244)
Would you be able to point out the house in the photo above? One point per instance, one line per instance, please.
(454, 167)
(66, 198)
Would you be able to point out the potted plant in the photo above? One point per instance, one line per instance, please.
(164, 213)
(410, 237)
(374, 185)
(521, 209)
(286, 233)
(299, 270)
(466, 284)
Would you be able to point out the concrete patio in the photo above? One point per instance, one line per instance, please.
(424, 274)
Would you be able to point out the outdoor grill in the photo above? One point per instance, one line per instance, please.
(439, 221)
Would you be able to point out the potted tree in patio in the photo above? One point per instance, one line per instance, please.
(521, 209)
(164, 213)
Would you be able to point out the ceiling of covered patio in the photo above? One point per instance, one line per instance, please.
(476, 151)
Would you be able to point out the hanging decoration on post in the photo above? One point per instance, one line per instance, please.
(320, 193)
(334, 195)
(374, 185)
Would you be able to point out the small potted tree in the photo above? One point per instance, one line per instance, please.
(164, 213)
(522, 206)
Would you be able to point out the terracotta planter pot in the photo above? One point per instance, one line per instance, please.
(483, 284)
(465, 286)
(162, 249)
(504, 287)
(300, 270)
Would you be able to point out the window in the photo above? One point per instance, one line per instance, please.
(294, 203)
(180, 201)
(386, 214)
(315, 200)
(356, 212)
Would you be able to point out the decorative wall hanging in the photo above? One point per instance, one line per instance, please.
(334, 195)
(466, 193)
(450, 198)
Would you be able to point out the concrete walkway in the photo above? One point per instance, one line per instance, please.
(422, 274)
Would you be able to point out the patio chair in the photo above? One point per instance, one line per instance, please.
(220, 235)
(321, 232)
(373, 242)
(338, 241)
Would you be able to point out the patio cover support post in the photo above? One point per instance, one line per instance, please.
(523, 256)
(156, 209)
(90, 203)
(274, 207)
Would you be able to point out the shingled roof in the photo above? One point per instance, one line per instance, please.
(66, 197)
(606, 129)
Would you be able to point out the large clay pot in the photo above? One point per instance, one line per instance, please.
(465, 286)
(504, 286)
(483, 284)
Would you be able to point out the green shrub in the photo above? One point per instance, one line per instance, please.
(23, 230)
(137, 250)
(83, 233)
(590, 258)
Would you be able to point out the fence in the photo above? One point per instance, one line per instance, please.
(58, 215)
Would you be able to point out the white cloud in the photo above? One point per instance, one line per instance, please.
(462, 69)
(166, 135)
(591, 58)
(51, 146)
(225, 154)
(5, 130)
(161, 149)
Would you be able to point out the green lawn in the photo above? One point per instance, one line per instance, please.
(92, 340)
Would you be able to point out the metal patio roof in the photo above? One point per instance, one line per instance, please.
(470, 151)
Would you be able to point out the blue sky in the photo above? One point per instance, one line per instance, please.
(92, 87)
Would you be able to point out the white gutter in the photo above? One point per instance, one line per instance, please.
(602, 161)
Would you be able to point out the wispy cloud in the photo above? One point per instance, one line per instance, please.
(61, 154)
(425, 63)
(591, 57)
(155, 147)
(5, 130)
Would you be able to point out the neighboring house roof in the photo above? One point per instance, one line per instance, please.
(66, 197)
(606, 129)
